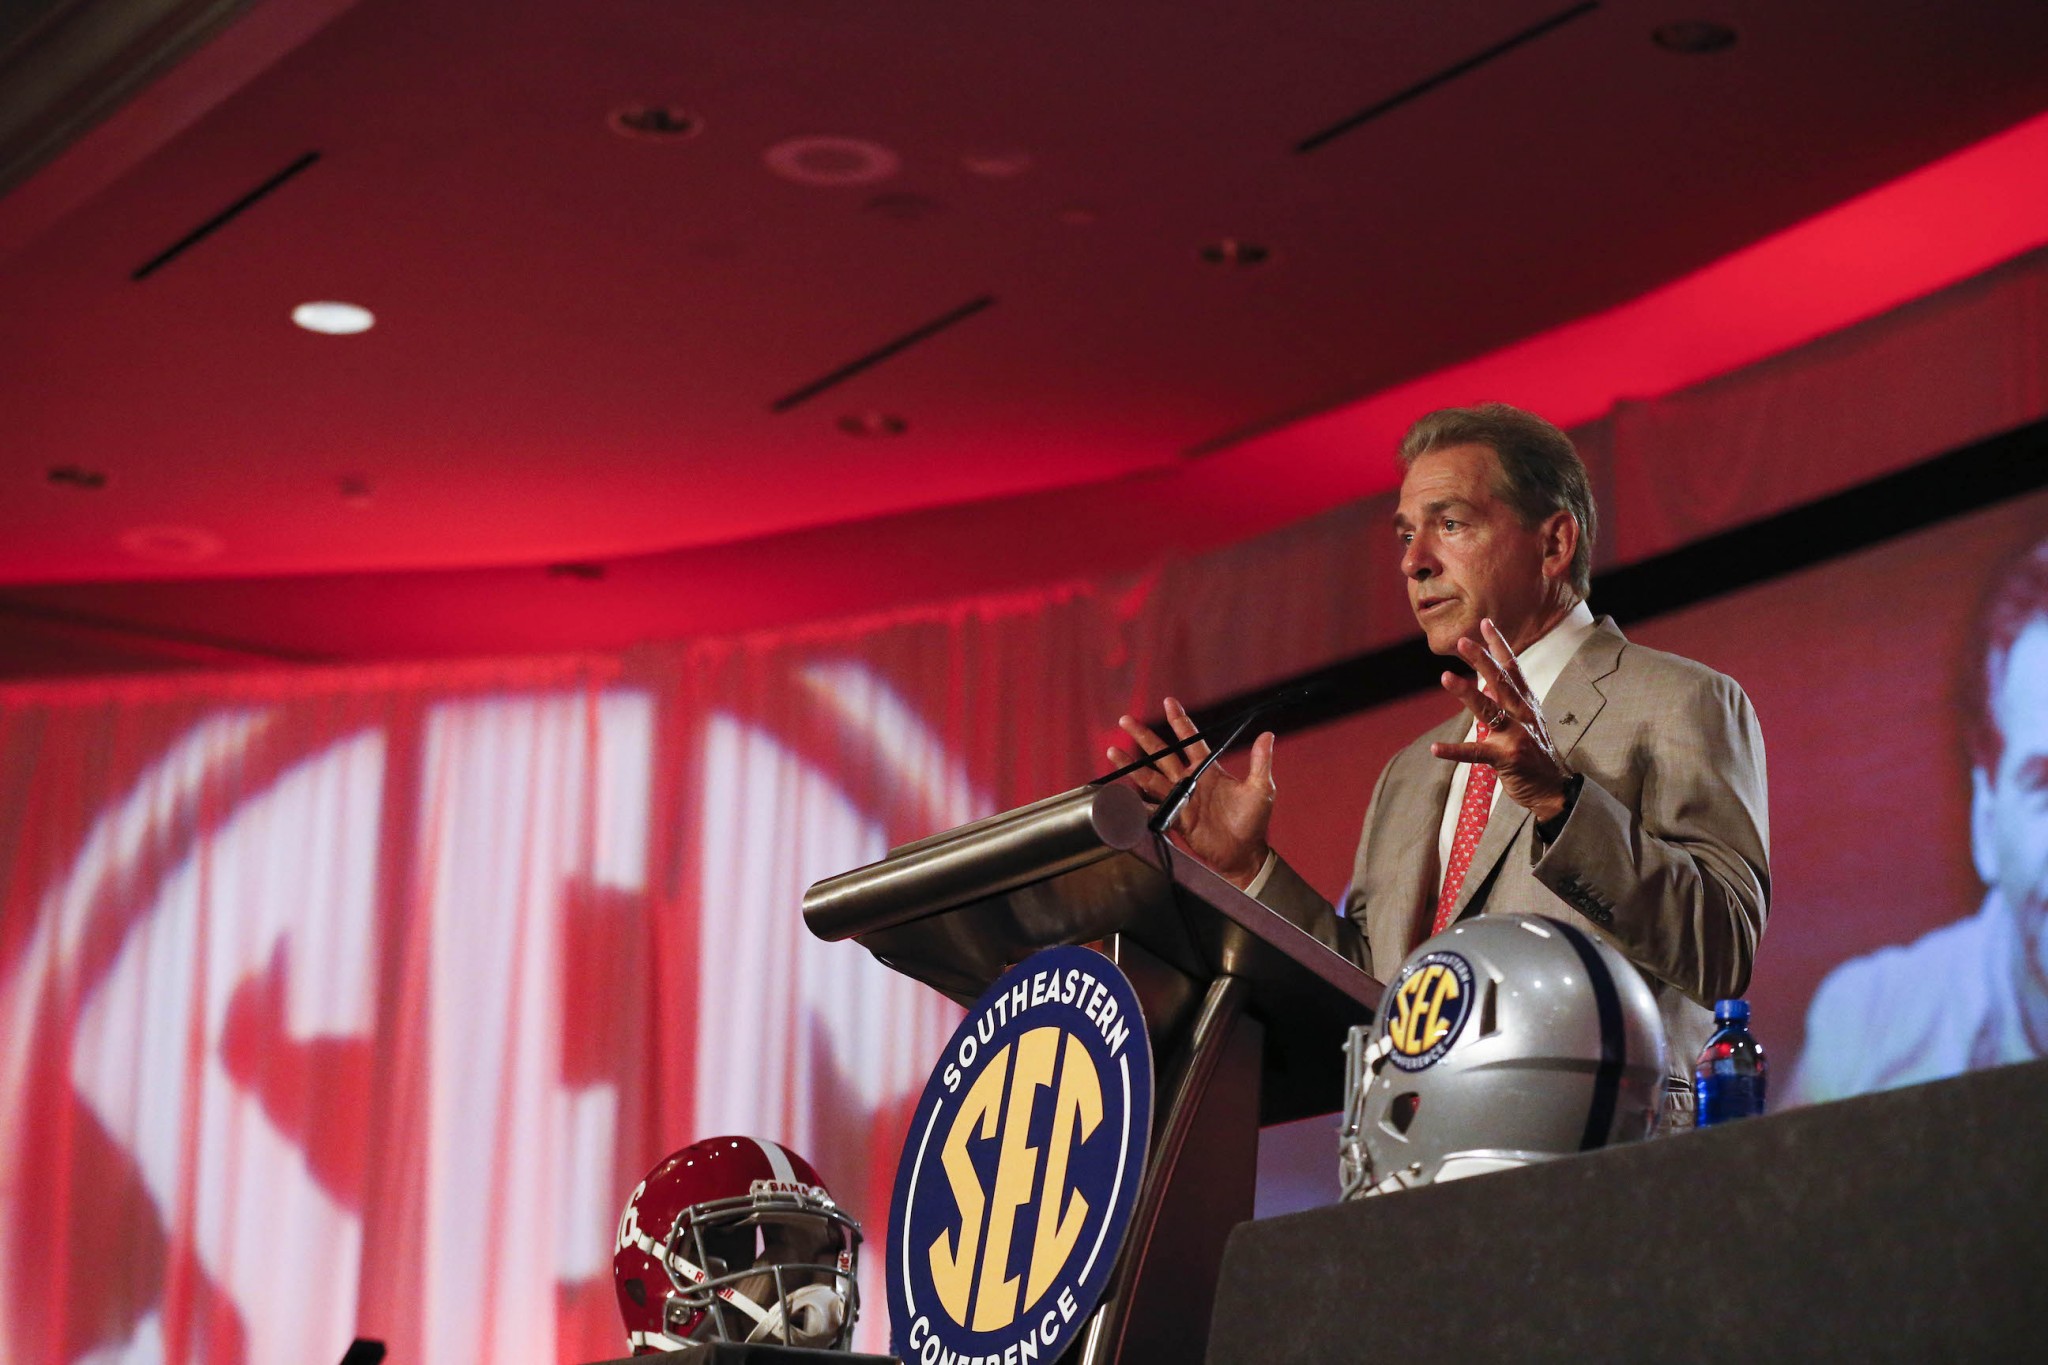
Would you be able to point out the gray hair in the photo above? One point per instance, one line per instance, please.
(1541, 471)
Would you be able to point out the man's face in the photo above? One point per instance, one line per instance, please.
(2009, 810)
(1466, 554)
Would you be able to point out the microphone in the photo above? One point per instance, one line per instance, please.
(1287, 696)
(1170, 808)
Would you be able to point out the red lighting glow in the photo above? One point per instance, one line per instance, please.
(1941, 224)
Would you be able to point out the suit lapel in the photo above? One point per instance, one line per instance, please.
(1575, 698)
(1409, 892)
(1424, 873)
(1568, 709)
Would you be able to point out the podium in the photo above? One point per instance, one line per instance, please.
(1246, 1012)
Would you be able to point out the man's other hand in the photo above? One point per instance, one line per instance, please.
(1224, 822)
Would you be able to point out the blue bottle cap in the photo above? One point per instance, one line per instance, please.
(1731, 1011)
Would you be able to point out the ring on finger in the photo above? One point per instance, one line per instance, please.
(1498, 721)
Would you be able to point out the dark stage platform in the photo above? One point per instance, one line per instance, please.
(1909, 1226)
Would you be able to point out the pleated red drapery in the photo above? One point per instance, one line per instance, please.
(347, 1002)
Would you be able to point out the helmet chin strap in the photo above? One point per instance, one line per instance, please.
(811, 1313)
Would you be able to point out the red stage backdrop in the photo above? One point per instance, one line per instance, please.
(354, 1002)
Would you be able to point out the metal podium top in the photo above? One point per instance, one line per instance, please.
(956, 910)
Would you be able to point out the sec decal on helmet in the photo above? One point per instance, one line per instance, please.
(1506, 1039)
(735, 1239)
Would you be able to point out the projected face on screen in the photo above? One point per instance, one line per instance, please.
(2009, 793)
(1974, 992)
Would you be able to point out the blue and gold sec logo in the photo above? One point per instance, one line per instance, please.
(1021, 1166)
(1425, 1008)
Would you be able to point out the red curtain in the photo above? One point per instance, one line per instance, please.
(354, 1002)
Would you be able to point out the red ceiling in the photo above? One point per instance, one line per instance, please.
(582, 338)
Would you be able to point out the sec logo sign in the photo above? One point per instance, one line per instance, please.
(1426, 1006)
(1021, 1166)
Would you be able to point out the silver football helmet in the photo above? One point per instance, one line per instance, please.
(1505, 1040)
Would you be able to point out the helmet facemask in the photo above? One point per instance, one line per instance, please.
(767, 1267)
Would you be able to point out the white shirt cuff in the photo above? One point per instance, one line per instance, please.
(1258, 883)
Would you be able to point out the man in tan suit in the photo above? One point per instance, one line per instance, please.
(1626, 791)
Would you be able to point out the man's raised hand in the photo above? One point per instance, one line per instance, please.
(1518, 747)
(1224, 822)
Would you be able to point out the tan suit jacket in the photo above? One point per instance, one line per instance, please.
(1666, 853)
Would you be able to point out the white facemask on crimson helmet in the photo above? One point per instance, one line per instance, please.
(735, 1239)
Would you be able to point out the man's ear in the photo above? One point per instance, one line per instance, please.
(1560, 543)
(1983, 828)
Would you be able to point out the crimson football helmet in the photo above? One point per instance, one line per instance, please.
(735, 1239)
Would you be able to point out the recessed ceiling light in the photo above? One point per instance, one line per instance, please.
(873, 423)
(997, 165)
(334, 319)
(77, 476)
(172, 544)
(1235, 251)
(654, 122)
(832, 161)
(904, 206)
(1694, 37)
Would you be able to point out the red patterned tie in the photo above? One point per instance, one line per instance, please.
(1479, 784)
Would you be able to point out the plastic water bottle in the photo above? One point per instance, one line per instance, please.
(1729, 1075)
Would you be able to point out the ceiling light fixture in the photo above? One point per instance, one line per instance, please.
(904, 206)
(829, 161)
(77, 476)
(172, 544)
(334, 319)
(997, 165)
(1235, 251)
(1694, 37)
(873, 424)
(654, 122)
